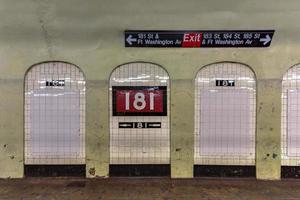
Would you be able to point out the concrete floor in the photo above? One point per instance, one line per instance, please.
(147, 188)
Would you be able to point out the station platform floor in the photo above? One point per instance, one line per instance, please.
(147, 188)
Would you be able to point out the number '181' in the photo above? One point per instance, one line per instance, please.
(139, 102)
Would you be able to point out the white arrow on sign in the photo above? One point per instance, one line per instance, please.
(125, 125)
(154, 125)
(265, 40)
(130, 40)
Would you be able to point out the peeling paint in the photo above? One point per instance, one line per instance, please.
(92, 171)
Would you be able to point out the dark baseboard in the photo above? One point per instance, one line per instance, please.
(224, 171)
(54, 170)
(290, 171)
(139, 170)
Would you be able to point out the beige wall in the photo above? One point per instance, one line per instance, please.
(90, 34)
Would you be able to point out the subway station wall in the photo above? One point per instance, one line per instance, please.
(89, 34)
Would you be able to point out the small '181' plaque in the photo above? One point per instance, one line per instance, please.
(54, 83)
(225, 83)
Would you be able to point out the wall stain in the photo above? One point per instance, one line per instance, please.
(274, 155)
(44, 9)
(266, 157)
(92, 171)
